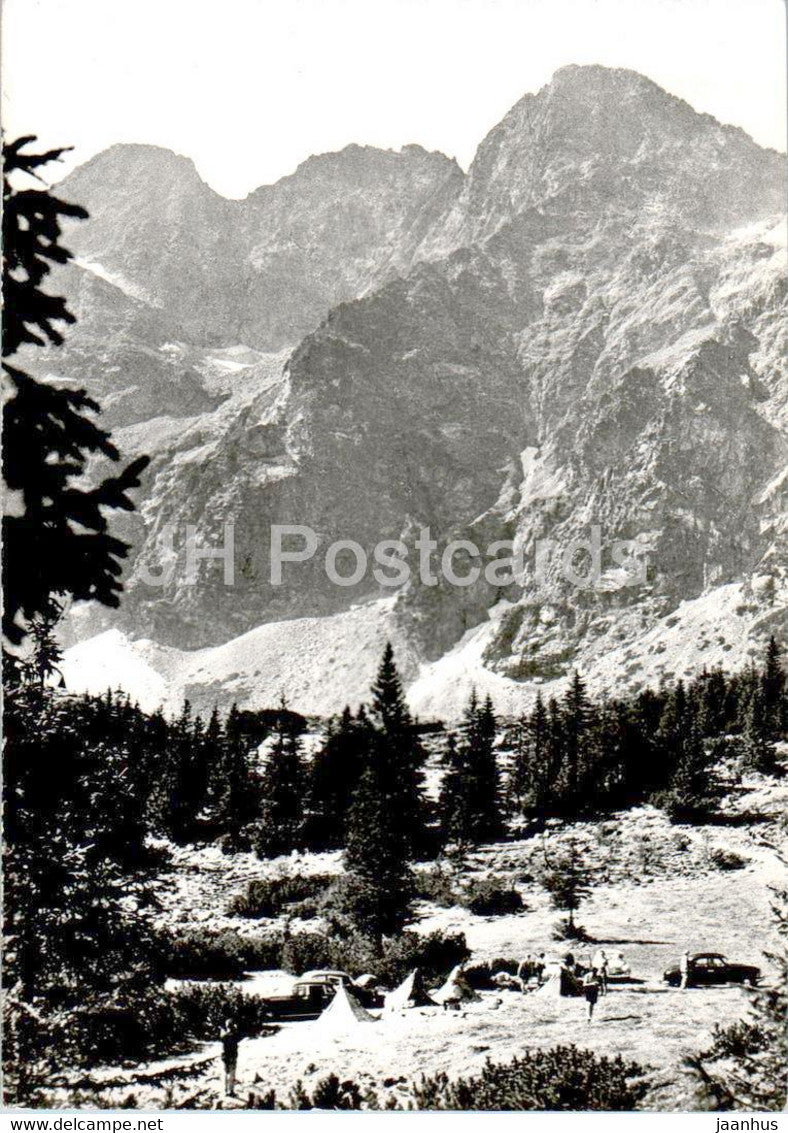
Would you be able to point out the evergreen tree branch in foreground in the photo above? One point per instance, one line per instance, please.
(56, 538)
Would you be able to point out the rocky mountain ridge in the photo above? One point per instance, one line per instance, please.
(586, 329)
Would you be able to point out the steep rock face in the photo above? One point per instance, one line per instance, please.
(599, 143)
(587, 330)
(123, 350)
(395, 414)
(342, 223)
(648, 279)
(266, 270)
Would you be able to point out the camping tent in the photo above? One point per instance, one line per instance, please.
(344, 1012)
(455, 990)
(557, 980)
(410, 993)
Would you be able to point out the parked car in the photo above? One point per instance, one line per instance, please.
(712, 968)
(312, 993)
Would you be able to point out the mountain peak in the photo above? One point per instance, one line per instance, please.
(597, 139)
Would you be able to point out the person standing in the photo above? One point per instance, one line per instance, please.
(684, 969)
(600, 962)
(230, 1039)
(591, 991)
(526, 970)
(539, 966)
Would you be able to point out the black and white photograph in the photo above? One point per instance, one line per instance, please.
(395, 558)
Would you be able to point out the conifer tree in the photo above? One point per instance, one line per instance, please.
(470, 804)
(334, 779)
(758, 750)
(690, 794)
(454, 804)
(377, 857)
(773, 690)
(488, 823)
(56, 539)
(46, 653)
(712, 703)
(519, 781)
(576, 733)
(284, 791)
(568, 882)
(400, 753)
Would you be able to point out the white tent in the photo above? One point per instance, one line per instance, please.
(551, 981)
(557, 981)
(410, 993)
(344, 1012)
(455, 990)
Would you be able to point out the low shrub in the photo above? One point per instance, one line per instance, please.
(569, 930)
(562, 1078)
(490, 898)
(435, 885)
(201, 954)
(726, 859)
(329, 1093)
(201, 1009)
(140, 1026)
(435, 954)
(208, 954)
(268, 897)
(479, 976)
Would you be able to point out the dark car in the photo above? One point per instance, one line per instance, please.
(313, 992)
(712, 968)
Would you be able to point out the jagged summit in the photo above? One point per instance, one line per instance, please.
(132, 159)
(587, 327)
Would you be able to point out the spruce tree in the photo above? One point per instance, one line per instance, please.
(576, 712)
(46, 653)
(401, 755)
(335, 774)
(690, 792)
(377, 856)
(712, 703)
(519, 780)
(773, 690)
(284, 791)
(568, 882)
(470, 803)
(455, 804)
(758, 750)
(488, 821)
(56, 540)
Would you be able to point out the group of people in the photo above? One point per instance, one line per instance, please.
(586, 977)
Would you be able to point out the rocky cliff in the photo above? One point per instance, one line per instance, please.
(585, 330)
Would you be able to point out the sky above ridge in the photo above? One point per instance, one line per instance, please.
(250, 88)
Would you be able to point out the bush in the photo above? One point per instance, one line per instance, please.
(479, 976)
(679, 811)
(145, 1025)
(726, 859)
(208, 954)
(491, 898)
(201, 1010)
(202, 954)
(566, 929)
(435, 955)
(329, 1093)
(435, 885)
(268, 897)
(563, 1078)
